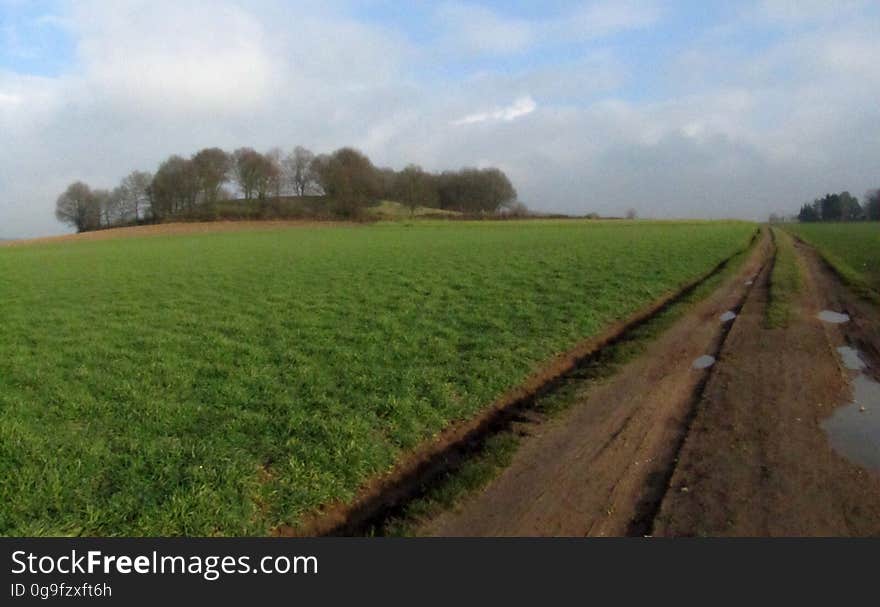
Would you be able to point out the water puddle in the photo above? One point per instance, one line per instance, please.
(835, 318)
(851, 358)
(704, 362)
(854, 429)
(728, 316)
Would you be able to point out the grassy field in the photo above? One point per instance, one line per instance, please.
(852, 248)
(225, 383)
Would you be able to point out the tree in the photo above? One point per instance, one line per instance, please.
(414, 187)
(271, 174)
(349, 178)
(631, 214)
(136, 187)
(78, 207)
(850, 209)
(872, 206)
(808, 213)
(174, 188)
(831, 208)
(475, 190)
(211, 166)
(298, 171)
(255, 173)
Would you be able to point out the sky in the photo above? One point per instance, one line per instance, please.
(676, 109)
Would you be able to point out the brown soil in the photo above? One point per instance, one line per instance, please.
(757, 462)
(173, 229)
(602, 467)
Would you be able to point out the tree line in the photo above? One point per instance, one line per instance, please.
(842, 207)
(213, 183)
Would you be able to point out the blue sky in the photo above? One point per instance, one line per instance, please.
(677, 109)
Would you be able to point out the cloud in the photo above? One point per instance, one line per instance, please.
(605, 18)
(723, 122)
(474, 28)
(519, 108)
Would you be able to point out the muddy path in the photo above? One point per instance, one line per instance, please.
(603, 466)
(757, 461)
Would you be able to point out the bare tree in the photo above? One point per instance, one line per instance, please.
(77, 207)
(211, 167)
(631, 214)
(174, 188)
(247, 167)
(350, 179)
(136, 186)
(298, 170)
(274, 172)
(414, 188)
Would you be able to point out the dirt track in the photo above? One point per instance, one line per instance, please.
(757, 461)
(600, 468)
(662, 449)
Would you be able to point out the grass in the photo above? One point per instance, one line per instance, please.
(226, 383)
(785, 282)
(853, 249)
(498, 451)
(389, 209)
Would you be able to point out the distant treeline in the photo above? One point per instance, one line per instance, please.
(214, 184)
(842, 207)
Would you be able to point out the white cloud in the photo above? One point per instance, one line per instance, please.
(608, 17)
(173, 56)
(519, 108)
(474, 28)
(731, 131)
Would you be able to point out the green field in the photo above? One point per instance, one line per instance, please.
(225, 383)
(852, 248)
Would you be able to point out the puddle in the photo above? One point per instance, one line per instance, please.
(851, 358)
(728, 316)
(854, 429)
(835, 318)
(704, 362)
(855, 432)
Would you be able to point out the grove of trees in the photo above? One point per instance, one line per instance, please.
(214, 183)
(842, 207)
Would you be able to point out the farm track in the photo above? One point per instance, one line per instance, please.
(757, 462)
(602, 467)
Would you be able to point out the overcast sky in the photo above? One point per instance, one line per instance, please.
(677, 109)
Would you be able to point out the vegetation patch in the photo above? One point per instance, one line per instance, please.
(225, 383)
(785, 281)
(852, 249)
